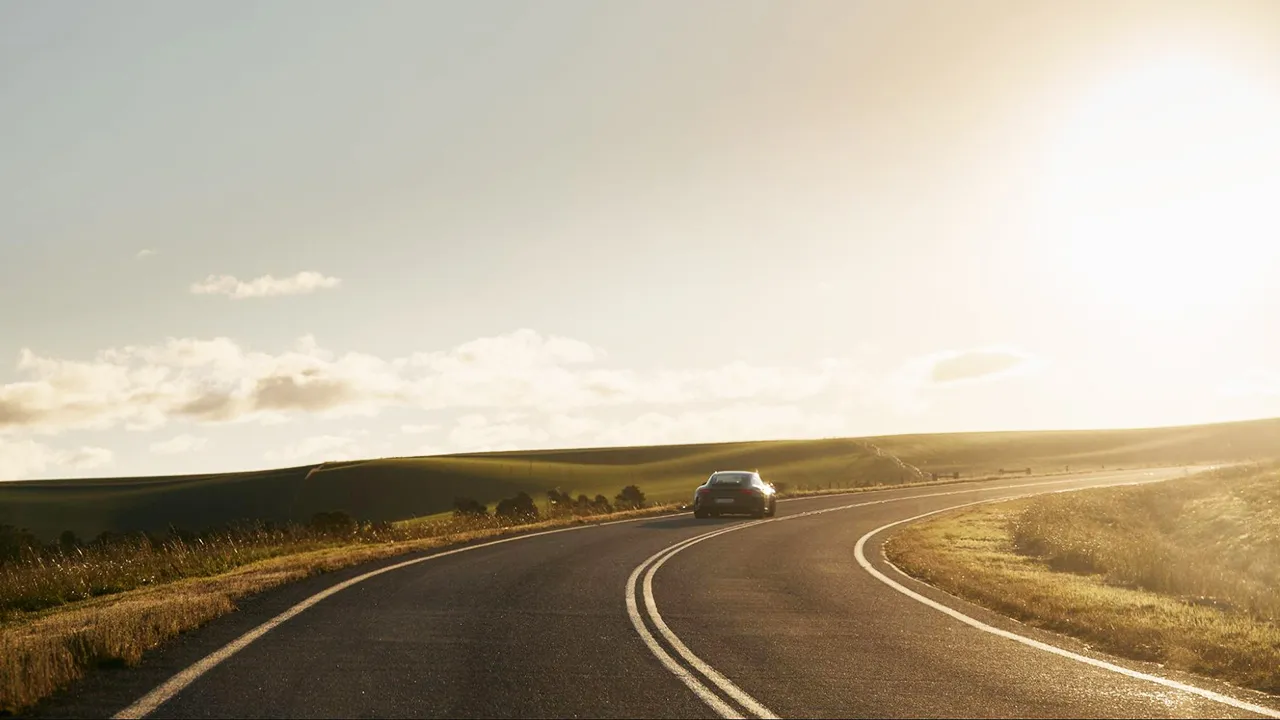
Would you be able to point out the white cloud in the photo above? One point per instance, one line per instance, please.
(23, 458)
(218, 381)
(475, 433)
(145, 253)
(960, 367)
(734, 423)
(265, 286)
(178, 445)
(321, 448)
(87, 458)
(1253, 382)
(522, 390)
(526, 370)
(202, 380)
(908, 390)
(569, 427)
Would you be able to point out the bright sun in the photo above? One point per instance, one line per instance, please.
(1161, 189)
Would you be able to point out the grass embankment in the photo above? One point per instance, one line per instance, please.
(138, 596)
(1183, 573)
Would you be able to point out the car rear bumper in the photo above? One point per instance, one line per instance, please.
(736, 506)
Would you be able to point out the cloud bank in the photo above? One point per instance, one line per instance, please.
(218, 381)
(322, 448)
(179, 445)
(964, 367)
(21, 458)
(266, 286)
(975, 365)
(520, 390)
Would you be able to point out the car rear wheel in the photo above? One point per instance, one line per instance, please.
(773, 508)
(700, 513)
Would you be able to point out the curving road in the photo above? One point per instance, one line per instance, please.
(662, 617)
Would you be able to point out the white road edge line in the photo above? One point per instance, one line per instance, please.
(651, 606)
(161, 694)
(978, 624)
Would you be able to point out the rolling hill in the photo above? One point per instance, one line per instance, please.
(403, 488)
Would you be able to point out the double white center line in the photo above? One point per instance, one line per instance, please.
(708, 673)
(695, 672)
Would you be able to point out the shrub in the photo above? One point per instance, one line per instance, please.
(630, 498)
(601, 504)
(519, 507)
(107, 538)
(469, 507)
(560, 502)
(563, 503)
(15, 542)
(333, 523)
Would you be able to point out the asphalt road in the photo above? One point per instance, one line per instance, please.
(773, 617)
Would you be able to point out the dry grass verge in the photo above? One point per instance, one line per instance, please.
(42, 652)
(1181, 573)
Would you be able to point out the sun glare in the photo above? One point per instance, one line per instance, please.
(1159, 195)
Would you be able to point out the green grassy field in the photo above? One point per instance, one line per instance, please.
(1183, 573)
(402, 488)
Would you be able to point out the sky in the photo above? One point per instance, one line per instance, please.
(246, 235)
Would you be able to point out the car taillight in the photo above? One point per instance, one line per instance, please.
(750, 491)
(703, 491)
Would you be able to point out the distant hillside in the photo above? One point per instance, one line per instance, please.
(402, 488)
(1252, 439)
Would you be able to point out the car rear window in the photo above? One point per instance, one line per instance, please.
(730, 480)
